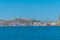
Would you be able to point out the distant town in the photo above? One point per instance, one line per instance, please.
(28, 22)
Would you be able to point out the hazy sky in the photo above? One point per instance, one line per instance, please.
(35, 9)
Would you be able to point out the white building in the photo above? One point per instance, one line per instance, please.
(39, 24)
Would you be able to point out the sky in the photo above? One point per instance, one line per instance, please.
(45, 10)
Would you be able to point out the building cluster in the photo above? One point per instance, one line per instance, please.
(27, 22)
(48, 23)
(44, 24)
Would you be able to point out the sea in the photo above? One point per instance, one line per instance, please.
(30, 33)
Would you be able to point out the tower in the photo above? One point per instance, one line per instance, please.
(58, 21)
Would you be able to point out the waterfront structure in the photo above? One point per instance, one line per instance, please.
(39, 24)
(52, 24)
(28, 22)
(44, 24)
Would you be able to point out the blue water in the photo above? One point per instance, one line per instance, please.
(30, 33)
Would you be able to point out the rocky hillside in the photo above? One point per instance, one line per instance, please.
(18, 21)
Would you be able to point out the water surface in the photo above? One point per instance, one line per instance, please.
(30, 33)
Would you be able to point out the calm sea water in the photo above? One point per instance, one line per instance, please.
(30, 33)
